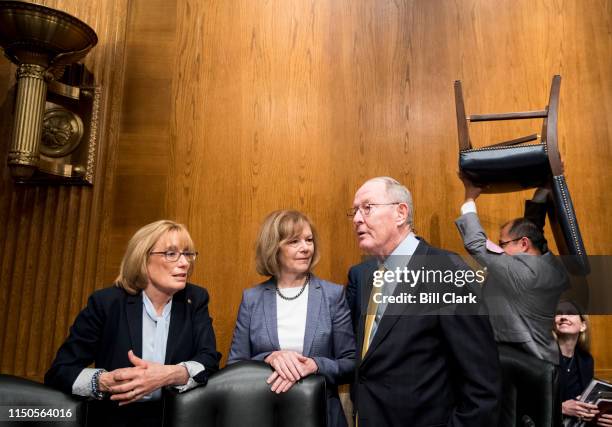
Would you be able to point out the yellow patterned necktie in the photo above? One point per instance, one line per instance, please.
(370, 317)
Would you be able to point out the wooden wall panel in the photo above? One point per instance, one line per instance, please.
(145, 141)
(294, 105)
(278, 105)
(231, 109)
(54, 239)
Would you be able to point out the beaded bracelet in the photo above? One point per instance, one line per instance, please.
(95, 385)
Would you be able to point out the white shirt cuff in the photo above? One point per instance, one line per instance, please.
(82, 385)
(467, 207)
(193, 368)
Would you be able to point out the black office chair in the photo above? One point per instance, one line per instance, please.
(238, 396)
(530, 390)
(21, 393)
(513, 165)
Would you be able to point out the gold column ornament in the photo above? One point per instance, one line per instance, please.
(42, 42)
(29, 108)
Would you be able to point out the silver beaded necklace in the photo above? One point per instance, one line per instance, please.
(286, 298)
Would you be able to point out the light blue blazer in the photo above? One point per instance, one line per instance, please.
(328, 338)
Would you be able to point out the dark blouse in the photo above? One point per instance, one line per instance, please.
(575, 374)
(569, 369)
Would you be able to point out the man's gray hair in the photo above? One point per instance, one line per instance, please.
(397, 193)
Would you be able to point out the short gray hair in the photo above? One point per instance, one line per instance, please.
(398, 193)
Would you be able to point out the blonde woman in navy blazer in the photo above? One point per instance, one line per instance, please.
(297, 323)
(152, 329)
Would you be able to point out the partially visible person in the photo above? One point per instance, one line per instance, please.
(576, 365)
(296, 322)
(525, 280)
(419, 365)
(152, 329)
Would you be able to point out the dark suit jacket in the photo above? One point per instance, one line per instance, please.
(435, 369)
(111, 325)
(328, 336)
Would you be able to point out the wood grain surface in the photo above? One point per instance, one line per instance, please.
(222, 111)
(54, 239)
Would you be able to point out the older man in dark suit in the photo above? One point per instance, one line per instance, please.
(418, 364)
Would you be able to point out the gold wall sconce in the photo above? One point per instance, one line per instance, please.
(55, 126)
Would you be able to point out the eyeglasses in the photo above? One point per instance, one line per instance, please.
(502, 244)
(174, 256)
(366, 209)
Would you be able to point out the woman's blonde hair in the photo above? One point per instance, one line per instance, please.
(278, 228)
(133, 274)
(584, 339)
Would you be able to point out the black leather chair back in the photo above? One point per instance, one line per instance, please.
(238, 396)
(508, 168)
(21, 393)
(532, 386)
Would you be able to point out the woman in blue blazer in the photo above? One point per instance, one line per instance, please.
(297, 323)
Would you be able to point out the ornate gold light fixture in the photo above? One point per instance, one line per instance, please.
(42, 42)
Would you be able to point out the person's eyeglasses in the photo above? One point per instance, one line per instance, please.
(174, 256)
(366, 209)
(502, 244)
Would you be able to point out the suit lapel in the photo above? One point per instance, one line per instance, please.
(312, 314)
(177, 320)
(388, 321)
(133, 310)
(269, 308)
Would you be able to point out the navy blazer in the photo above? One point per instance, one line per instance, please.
(435, 369)
(328, 337)
(111, 325)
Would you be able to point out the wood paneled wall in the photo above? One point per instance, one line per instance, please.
(232, 109)
(53, 240)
